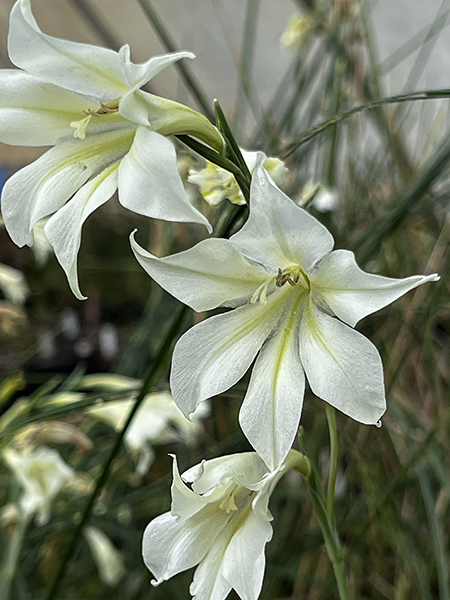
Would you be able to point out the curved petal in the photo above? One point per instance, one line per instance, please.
(137, 75)
(213, 355)
(170, 546)
(353, 294)
(41, 188)
(35, 113)
(208, 582)
(270, 413)
(82, 68)
(278, 233)
(342, 366)
(244, 560)
(245, 468)
(63, 230)
(210, 274)
(149, 182)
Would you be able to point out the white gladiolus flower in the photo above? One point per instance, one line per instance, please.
(42, 473)
(158, 421)
(295, 304)
(220, 522)
(108, 559)
(107, 135)
(216, 183)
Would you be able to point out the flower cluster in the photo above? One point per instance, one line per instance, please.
(292, 302)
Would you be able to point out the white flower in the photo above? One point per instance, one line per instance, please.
(158, 421)
(220, 523)
(108, 135)
(108, 559)
(42, 473)
(13, 284)
(295, 305)
(216, 183)
(324, 198)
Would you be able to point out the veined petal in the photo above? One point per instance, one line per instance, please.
(137, 75)
(342, 366)
(353, 294)
(244, 560)
(41, 188)
(213, 355)
(170, 546)
(210, 274)
(36, 113)
(149, 183)
(270, 413)
(278, 233)
(208, 582)
(82, 68)
(63, 230)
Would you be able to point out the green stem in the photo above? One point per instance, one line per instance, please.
(327, 526)
(190, 81)
(331, 418)
(11, 559)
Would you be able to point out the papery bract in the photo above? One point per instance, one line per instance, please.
(107, 134)
(295, 303)
(220, 522)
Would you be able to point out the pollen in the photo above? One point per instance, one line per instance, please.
(292, 275)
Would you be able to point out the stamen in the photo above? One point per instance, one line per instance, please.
(291, 275)
(261, 293)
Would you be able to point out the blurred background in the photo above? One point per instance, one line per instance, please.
(378, 180)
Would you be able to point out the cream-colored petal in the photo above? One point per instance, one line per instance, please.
(342, 366)
(210, 274)
(63, 230)
(352, 293)
(83, 68)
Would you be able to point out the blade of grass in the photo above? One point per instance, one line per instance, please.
(191, 82)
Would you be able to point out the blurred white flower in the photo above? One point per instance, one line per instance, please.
(323, 198)
(107, 134)
(295, 304)
(220, 522)
(108, 559)
(297, 31)
(216, 183)
(158, 421)
(42, 473)
(41, 246)
(13, 284)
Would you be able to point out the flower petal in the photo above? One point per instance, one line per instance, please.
(342, 366)
(137, 75)
(149, 183)
(244, 560)
(270, 413)
(278, 233)
(41, 188)
(352, 293)
(170, 546)
(35, 113)
(82, 68)
(246, 468)
(210, 274)
(208, 582)
(63, 230)
(213, 355)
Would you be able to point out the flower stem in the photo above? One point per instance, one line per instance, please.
(331, 418)
(11, 559)
(327, 526)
